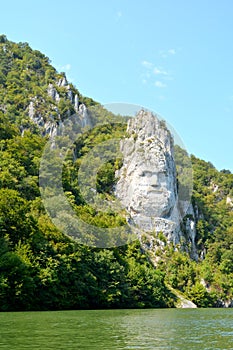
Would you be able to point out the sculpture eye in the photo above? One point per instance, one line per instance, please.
(146, 173)
(149, 173)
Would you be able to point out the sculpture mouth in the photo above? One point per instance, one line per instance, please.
(151, 188)
(154, 190)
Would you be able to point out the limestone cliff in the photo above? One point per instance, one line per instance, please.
(147, 181)
(51, 122)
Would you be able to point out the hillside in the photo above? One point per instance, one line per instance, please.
(40, 267)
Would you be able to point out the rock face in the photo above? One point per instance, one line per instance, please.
(51, 121)
(229, 201)
(52, 92)
(190, 221)
(147, 185)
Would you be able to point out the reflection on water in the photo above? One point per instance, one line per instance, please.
(118, 329)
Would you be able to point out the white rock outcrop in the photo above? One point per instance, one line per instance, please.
(84, 116)
(47, 116)
(147, 185)
(62, 82)
(229, 201)
(52, 92)
(76, 103)
(69, 94)
(54, 128)
(35, 116)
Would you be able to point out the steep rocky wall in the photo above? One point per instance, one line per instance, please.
(147, 181)
(52, 125)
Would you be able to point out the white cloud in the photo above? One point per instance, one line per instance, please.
(159, 71)
(118, 16)
(166, 53)
(172, 51)
(152, 73)
(160, 84)
(156, 70)
(147, 64)
(66, 67)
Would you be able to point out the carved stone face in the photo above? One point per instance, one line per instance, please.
(149, 191)
(147, 179)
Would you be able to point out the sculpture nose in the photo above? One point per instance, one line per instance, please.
(153, 181)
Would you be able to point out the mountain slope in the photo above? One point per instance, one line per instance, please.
(41, 268)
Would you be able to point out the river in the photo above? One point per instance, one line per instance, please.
(118, 329)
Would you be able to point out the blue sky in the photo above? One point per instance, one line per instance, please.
(173, 57)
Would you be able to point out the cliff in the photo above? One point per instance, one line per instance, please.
(147, 182)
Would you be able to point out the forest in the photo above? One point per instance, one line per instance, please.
(43, 269)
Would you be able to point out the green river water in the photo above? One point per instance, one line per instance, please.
(118, 329)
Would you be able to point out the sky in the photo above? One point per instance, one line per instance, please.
(172, 57)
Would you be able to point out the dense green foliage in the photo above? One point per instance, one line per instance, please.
(41, 268)
(212, 196)
(209, 281)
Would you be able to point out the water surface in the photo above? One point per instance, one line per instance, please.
(118, 329)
